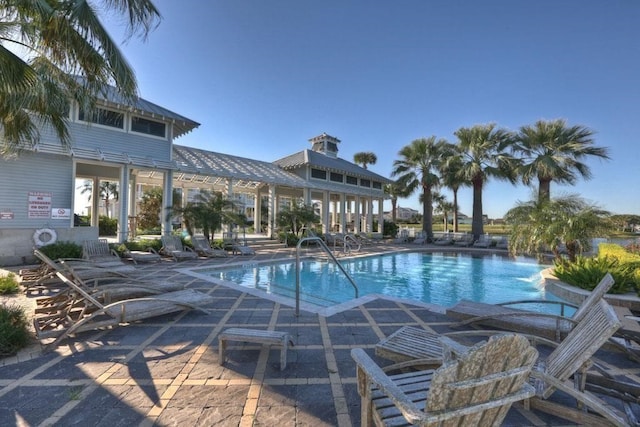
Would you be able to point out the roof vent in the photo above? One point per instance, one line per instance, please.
(325, 144)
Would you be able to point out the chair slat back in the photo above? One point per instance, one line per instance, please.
(172, 243)
(599, 324)
(95, 248)
(486, 373)
(596, 294)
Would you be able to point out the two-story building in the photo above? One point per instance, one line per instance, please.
(133, 143)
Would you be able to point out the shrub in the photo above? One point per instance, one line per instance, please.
(389, 228)
(14, 333)
(585, 273)
(9, 284)
(107, 226)
(136, 245)
(62, 250)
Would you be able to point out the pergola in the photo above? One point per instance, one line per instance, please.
(196, 169)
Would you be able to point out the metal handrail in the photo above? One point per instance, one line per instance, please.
(324, 246)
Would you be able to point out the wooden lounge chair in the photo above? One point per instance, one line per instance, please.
(503, 243)
(444, 240)
(104, 289)
(483, 242)
(402, 236)
(512, 319)
(99, 253)
(150, 255)
(172, 246)
(202, 247)
(477, 388)
(572, 357)
(84, 269)
(84, 312)
(465, 240)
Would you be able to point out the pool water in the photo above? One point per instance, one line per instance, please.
(439, 278)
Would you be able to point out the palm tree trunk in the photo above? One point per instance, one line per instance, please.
(544, 189)
(427, 212)
(477, 227)
(455, 210)
(394, 204)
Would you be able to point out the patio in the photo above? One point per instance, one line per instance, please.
(165, 371)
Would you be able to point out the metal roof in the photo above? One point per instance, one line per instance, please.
(181, 124)
(322, 161)
(193, 162)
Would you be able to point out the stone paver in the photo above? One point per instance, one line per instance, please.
(165, 371)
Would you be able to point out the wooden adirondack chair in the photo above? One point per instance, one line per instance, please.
(172, 246)
(572, 357)
(83, 311)
(512, 319)
(477, 388)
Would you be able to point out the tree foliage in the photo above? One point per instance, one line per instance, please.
(53, 52)
(538, 226)
(207, 212)
(417, 169)
(294, 218)
(149, 209)
(552, 151)
(364, 158)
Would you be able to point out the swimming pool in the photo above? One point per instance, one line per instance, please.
(437, 278)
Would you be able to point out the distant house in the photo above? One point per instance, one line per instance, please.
(402, 214)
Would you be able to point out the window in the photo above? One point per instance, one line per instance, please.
(377, 185)
(103, 117)
(352, 180)
(318, 174)
(335, 177)
(365, 183)
(149, 127)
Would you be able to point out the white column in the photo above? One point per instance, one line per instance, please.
(381, 216)
(95, 202)
(167, 201)
(271, 216)
(257, 213)
(369, 215)
(229, 194)
(343, 213)
(326, 225)
(133, 205)
(356, 216)
(123, 213)
(306, 195)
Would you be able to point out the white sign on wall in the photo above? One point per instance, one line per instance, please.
(39, 205)
(60, 213)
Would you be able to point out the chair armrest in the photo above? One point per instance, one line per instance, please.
(451, 350)
(370, 373)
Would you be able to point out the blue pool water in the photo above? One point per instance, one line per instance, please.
(442, 279)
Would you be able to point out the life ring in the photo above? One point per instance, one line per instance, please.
(44, 232)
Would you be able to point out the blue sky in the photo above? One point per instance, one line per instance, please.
(262, 77)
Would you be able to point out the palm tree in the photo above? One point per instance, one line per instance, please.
(107, 190)
(443, 206)
(207, 212)
(483, 157)
(416, 169)
(552, 151)
(452, 178)
(540, 225)
(395, 190)
(58, 42)
(365, 158)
